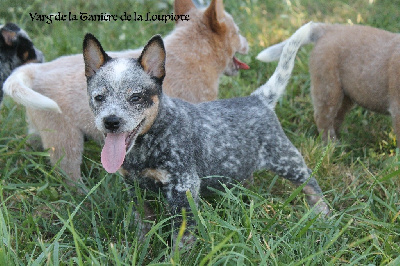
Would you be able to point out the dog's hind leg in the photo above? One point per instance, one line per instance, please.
(395, 113)
(68, 153)
(281, 157)
(327, 96)
(34, 136)
(347, 104)
(393, 94)
(63, 141)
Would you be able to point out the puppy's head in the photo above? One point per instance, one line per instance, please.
(228, 38)
(218, 28)
(124, 95)
(16, 48)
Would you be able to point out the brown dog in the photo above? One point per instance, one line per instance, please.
(350, 64)
(199, 51)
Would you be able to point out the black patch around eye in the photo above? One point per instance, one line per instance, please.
(25, 50)
(136, 99)
(158, 81)
(99, 98)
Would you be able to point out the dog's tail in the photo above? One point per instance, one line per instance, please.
(18, 87)
(275, 86)
(274, 52)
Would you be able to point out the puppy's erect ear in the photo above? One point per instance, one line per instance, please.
(93, 55)
(214, 15)
(152, 58)
(9, 36)
(182, 7)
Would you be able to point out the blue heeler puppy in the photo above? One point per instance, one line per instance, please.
(15, 49)
(170, 146)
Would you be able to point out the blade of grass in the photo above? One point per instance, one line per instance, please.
(218, 247)
(42, 255)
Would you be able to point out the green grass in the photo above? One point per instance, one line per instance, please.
(43, 221)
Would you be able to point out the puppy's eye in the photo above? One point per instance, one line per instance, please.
(135, 99)
(99, 98)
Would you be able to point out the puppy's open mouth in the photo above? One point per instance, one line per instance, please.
(116, 146)
(131, 136)
(239, 64)
(234, 66)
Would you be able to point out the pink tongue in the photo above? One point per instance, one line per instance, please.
(113, 153)
(240, 64)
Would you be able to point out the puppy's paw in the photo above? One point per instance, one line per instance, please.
(322, 208)
(184, 242)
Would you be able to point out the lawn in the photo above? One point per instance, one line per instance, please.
(43, 221)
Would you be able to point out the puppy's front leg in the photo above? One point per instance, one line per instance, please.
(143, 215)
(175, 193)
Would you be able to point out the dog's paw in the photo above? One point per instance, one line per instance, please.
(322, 209)
(187, 241)
(142, 227)
(184, 242)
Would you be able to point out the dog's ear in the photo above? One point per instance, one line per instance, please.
(93, 55)
(9, 36)
(215, 15)
(182, 7)
(152, 58)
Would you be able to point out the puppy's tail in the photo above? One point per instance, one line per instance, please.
(275, 86)
(274, 52)
(18, 87)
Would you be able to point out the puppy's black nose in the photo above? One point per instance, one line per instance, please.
(112, 122)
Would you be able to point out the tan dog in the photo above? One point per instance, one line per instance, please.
(195, 62)
(350, 64)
